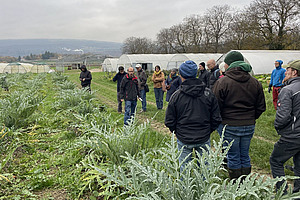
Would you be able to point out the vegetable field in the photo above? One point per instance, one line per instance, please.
(58, 141)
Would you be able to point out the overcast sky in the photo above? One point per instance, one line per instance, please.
(102, 20)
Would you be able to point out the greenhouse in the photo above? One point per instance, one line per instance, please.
(39, 68)
(148, 61)
(177, 59)
(14, 68)
(110, 64)
(2, 66)
(262, 61)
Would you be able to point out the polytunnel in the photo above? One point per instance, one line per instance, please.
(110, 64)
(148, 61)
(178, 59)
(39, 68)
(2, 66)
(14, 68)
(262, 61)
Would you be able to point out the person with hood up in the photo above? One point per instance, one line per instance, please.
(119, 77)
(192, 114)
(172, 83)
(158, 78)
(129, 91)
(276, 81)
(204, 74)
(85, 78)
(241, 100)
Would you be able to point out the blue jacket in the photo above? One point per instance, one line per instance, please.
(277, 76)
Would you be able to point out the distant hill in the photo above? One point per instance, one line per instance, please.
(22, 47)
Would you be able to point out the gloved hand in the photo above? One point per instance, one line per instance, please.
(270, 88)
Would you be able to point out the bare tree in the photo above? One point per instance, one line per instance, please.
(218, 20)
(272, 17)
(195, 32)
(135, 45)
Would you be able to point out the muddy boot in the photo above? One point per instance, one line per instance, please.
(245, 171)
(234, 174)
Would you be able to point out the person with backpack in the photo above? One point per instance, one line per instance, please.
(142, 76)
(214, 72)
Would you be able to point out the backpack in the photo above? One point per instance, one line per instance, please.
(215, 73)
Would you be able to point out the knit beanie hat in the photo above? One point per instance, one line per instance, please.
(202, 64)
(188, 69)
(233, 56)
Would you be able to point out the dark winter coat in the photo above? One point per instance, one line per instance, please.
(174, 85)
(204, 76)
(118, 77)
(129, 89)
(287, 121)
(87, 75)
(214, 76)
(240, 96)
(142, 76)
(193, 112)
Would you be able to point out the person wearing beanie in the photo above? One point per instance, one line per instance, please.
(119, 77)
(277, 78)
(158, 78)
(287, 125)
(214, 72)
(241, 100)
(203, 74)
(172, 83)
(85, 78)
(192, 113)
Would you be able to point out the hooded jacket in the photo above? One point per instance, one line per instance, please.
(287, 120)
(204, 76)
(118, 77)
(158, 79)
(240, 96)
(129, 89)
(142, 76)
(174, 84)
(193, 112)
(87, 75)
(214, 76)
(277, 75)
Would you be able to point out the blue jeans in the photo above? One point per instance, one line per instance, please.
(144, 102)
(159, 95)
(187, 150)
(129, 110)
(238, 154)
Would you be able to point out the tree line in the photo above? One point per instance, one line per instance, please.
(264, 24)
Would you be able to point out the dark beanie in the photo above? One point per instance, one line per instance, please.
(202, 64)
(233, 56)
(188, 69)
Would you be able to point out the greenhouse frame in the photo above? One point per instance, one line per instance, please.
(148, 61)
(262, 61)
(178, 59)
(110, 65)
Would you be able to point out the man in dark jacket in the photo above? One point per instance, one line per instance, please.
(142, 76)
(214, 72)
(241, 100)
(129, 91)
(85, 77)
(204, 74)
(192, 114)
(119, 77)
(287, 125)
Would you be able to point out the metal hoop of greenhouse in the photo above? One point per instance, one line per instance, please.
(110, 64)
(13, 68)
(2, 67)
(40, 68)
(148, 61)
(178, 59)
(262, 61)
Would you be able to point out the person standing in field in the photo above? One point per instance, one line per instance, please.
(276, 81)
(129, 92)
(85, 78)
(287, 125)
(158, 78)
(192, 114)
(172, 83)
(204, 74)
(214, 72)
(119, 77)
(142, 76)
(241, 100)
